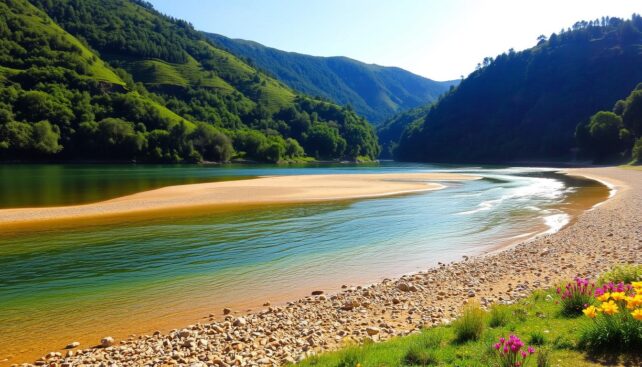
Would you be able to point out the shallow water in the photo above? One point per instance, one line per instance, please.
(137, 275)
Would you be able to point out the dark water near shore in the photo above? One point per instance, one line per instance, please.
(60, 285)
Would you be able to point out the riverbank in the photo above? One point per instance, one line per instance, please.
(608, 234)
(260, 191)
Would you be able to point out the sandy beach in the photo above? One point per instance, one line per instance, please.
(242, 193)
(608, 234)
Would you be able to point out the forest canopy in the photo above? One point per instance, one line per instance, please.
(116, 80)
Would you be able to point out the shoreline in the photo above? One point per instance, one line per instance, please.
(261, 191)
(397, 307)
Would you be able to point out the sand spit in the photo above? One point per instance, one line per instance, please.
(608, 234)
(251, 192)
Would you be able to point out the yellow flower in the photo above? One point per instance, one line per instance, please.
(637, 314)
(636, 285)
(590, 311)
(618, 296)
(604, 297)
(609, 308)
(634, 301)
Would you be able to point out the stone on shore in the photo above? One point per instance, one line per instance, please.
(106, 342)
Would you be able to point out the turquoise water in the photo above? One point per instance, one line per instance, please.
(138, 275)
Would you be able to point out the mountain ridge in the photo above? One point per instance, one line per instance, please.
(376, 92)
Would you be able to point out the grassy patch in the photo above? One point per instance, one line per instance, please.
(537, 321)
(622, 273)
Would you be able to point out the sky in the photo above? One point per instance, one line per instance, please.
(440, 40)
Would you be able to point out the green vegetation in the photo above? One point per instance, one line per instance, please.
(622, 273)
(116, 80)
(374, 91)
(614, 136)
(470, 325)
(538, 319)
(525, 106)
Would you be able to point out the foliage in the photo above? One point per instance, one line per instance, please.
(499, 315)
(526, 105)
(617, 321)
(160, 92)
(625, 273)
(614, 136)
(575, 296)
(470, 325)
(374, 91)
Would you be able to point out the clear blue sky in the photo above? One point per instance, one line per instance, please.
(437, 39)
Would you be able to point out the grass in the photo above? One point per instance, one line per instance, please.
(535, 320)
(470, 325)
(628, 166)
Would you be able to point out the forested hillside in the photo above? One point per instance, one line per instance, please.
(116, 80)
(614, 136)
(374, 91)
(525, 106)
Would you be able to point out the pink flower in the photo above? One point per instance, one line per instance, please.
(497, 346)
(531, 350)
(524, 354)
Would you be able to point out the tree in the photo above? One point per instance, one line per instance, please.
(632, 114)
(211, 143)
(604, 130)
(45, 138)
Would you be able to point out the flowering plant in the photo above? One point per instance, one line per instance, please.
(509, 352)
(617, 320)
(617, 298)
(576, 295)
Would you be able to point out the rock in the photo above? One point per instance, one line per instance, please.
(106, 342)
(372, 330)
(198, 364)
(317, 293)
(545, 251)
(404, 287)
(240, 322)
(72, 345)
(227, 311)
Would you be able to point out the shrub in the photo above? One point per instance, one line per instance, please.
(622, 273)
(471, 323)
(499, 316)
(576, 296)
(511, 352)
(537, 338)
(617, 321)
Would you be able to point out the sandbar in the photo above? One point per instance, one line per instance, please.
(251, 192)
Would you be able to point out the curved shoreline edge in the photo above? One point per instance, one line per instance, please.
(607, 234)
(261, 191)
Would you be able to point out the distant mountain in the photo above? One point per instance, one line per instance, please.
(525, 106)
(117, 80)
(374, 91)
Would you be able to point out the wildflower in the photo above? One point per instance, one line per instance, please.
(637, 286)
(590, 311)
(634, 301)
(618, 296)
(637, 314)
(609, 308)
(531, 350)
(497, 346)
(604, 297)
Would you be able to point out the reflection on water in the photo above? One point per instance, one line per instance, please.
(135, 276)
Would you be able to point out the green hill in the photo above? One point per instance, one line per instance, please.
(116, 80)
(374, 91)
(525, 106)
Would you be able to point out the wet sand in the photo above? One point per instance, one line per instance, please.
(243, 193)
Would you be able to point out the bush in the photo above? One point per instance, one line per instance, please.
(499, 316)
(617, 321)
(576, 296)
(471, 323)
(350, 358)
(622, 273)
